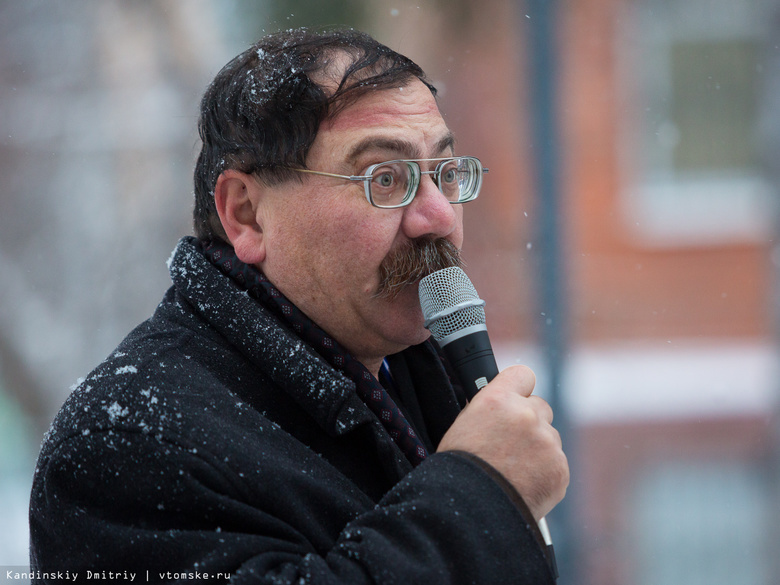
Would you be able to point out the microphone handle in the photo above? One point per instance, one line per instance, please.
(471, 355)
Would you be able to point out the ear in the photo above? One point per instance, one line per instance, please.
(237, 197)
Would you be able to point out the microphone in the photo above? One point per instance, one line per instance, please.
(455, 316)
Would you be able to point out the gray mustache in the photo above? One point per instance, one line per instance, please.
(414, 261)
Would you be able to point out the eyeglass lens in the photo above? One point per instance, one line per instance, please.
(451, 177)
(395, 183)
(390, 183)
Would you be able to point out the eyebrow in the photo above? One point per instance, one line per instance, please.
(402, 147)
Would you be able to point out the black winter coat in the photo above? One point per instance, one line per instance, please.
(214, 442)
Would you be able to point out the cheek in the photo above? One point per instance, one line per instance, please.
(356, 242)
(456, 237)
(367, 230)
(366, 246)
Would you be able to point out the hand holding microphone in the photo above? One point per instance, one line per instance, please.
(504, 424)
(511, 429)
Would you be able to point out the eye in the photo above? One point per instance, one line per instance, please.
(385, 180)
(449, 175)
(389, 183)
(387, 177)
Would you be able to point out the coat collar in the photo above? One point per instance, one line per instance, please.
(323, 392)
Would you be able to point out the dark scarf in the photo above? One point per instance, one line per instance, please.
(369, 389)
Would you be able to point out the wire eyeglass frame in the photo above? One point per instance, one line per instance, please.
(469, 171)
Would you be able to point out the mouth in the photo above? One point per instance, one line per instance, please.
(409, 263)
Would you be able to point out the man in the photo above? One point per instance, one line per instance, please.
(283, 417)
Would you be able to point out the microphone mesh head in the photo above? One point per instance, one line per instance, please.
(443, 290)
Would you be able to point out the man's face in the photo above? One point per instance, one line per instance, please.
(324, 242)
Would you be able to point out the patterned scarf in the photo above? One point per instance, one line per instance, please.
(369, 389)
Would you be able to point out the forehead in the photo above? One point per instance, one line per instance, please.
(404, 121)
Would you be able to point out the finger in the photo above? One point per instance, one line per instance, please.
(542, 408)
(519, 379)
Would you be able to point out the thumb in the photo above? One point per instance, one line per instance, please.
(518, 379)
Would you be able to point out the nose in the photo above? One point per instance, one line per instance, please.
(430, 213)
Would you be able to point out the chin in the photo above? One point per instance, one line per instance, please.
(407, 301)
(410, 322)
(402, 342)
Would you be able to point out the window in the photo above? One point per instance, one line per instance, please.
(701, 523)
(691, 74)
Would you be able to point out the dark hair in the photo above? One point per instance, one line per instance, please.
(262, 112)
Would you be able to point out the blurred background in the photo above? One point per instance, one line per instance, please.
(626, 241)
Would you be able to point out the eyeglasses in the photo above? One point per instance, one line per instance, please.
(394, 183)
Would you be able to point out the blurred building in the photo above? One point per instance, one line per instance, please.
(669, 121)
(671, 208)
(98, 109)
